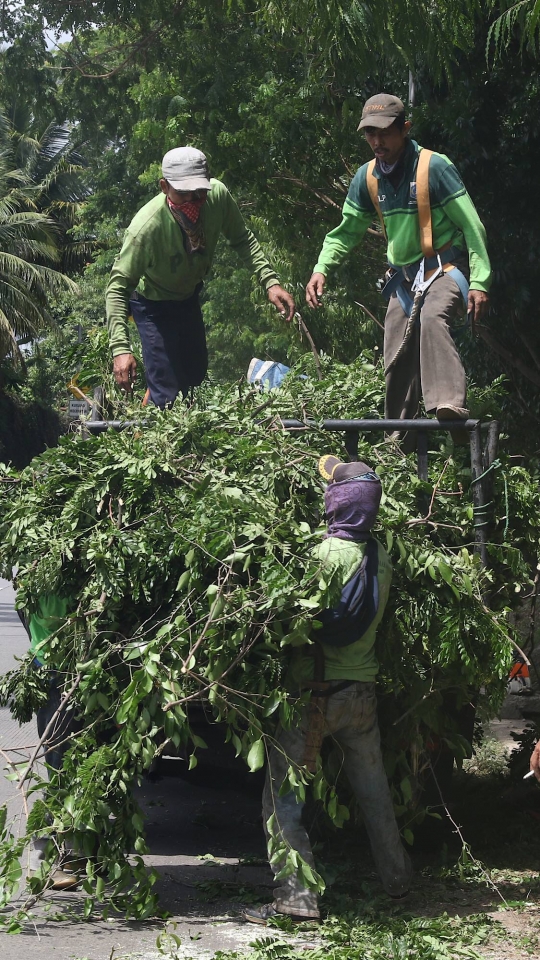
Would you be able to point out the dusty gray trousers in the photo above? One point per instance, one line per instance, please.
(430, 364)
(351, 720)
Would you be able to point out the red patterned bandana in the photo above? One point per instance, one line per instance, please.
(190, 208)
(187, 216)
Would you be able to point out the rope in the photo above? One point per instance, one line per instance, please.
(480, 515)
(506, 507)
(480, 511)
(494, 466)
(417, 302)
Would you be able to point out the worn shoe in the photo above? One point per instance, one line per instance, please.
(447, 411)
(62, 880)
(268, 910)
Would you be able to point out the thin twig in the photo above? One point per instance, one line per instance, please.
(314, 350)
(369, 313)
(135, 47)
(412, 523)
(13, 765)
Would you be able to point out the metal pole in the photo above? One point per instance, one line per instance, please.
(351, 445)
(422, 454)
(492, 443)
(479, 502)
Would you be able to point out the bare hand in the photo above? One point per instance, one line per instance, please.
(282, 301)
(477, 304)
(125, 370)
(535, 761)
(315, 289)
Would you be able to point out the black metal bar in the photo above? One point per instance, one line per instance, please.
(346, 426)
(478, 495)
(422, 454)
(100, 426)
(380, 424)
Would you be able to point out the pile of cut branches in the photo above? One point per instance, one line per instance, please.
(183, 547)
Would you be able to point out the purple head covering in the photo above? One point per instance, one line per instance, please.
(352, 503)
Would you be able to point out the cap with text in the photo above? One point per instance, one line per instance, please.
(381, 111)
(186, 168)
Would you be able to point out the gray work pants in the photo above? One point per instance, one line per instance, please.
(430, 364)
(351, 720)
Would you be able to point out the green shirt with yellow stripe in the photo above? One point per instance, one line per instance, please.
(455, 221)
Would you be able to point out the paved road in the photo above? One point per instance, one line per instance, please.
(13, 643)
(213, 813)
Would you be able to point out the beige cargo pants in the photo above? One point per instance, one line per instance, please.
(430, 365)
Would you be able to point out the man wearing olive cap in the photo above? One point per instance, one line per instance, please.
(339, 668)
(158, 275)
(425, 293)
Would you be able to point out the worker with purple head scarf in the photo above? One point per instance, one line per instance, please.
(339, 668)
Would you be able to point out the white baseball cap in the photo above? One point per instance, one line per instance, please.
(186, 168)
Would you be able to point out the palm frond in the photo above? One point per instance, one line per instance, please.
(52, 146)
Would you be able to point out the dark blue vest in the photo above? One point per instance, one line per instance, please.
(357, 608)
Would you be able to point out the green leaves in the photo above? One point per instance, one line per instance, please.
(256, 755)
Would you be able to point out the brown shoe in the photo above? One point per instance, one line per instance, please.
(61, 880)
(447, 411)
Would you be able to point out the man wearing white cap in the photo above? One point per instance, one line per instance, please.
(157, 277)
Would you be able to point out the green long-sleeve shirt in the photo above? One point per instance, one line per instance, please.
(454, 218)
(49, 617)
(153, 259)
(341, 559)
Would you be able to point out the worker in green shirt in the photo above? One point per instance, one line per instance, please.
(340, 668)
(438, 262)
(158, 275)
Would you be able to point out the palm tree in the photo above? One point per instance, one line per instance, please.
(54, 169)
(37, 207)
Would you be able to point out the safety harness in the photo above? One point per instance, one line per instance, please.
(420, 275)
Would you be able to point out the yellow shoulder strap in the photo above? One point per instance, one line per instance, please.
(422, 199)
(373, 187)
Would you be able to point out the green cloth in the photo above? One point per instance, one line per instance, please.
(341, 559)
(453, 215)
(153, 259)
(52, 611)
